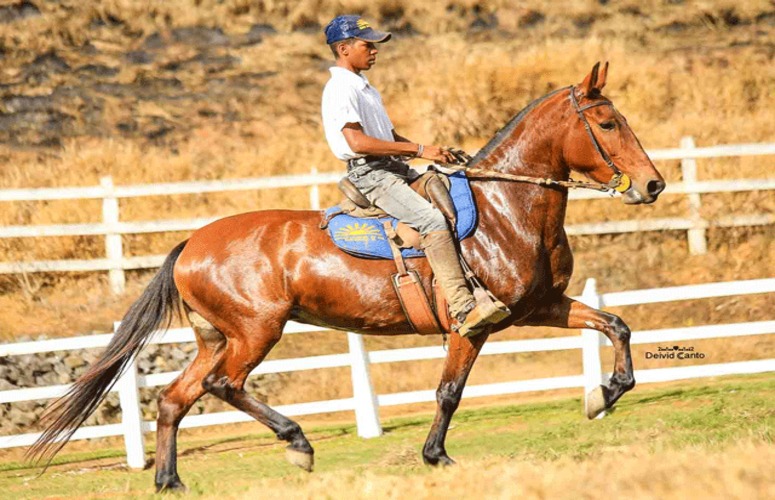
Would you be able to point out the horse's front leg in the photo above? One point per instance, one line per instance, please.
(460, 358)
(569, 313)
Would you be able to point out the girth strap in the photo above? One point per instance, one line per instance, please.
(411, 293)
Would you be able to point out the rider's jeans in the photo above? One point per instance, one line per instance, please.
(385, 185)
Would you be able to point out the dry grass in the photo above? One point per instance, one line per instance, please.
(743, 472)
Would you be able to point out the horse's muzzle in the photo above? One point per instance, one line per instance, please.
(636, 196)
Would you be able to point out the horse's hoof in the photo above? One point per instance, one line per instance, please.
(173, 486)
(594, 402)
(440, 460)
(300, 459)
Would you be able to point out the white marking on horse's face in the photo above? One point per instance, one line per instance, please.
(589, 324)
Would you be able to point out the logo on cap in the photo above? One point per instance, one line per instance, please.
(363, 24)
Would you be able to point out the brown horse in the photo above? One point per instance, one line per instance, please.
(240, 279)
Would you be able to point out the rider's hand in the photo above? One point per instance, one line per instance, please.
(439, 154)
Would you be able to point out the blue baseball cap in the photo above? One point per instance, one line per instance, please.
(343, 27)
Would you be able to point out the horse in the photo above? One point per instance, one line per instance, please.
(240, 279)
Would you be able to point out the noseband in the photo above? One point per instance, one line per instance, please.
(620, 181)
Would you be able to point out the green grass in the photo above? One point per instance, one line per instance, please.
(710, 416)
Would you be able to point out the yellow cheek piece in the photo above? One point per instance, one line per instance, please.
(621, 182)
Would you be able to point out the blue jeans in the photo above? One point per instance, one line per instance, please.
(386, 186)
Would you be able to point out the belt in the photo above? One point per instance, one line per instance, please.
(365, 160)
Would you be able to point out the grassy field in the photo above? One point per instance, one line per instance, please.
(713, 438)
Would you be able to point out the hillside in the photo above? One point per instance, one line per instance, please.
(189, 90)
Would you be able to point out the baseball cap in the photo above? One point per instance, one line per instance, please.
(343, 27)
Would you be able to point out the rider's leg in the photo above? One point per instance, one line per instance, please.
(388, 190)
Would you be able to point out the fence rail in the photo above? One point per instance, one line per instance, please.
(366, 403)
(112, 228)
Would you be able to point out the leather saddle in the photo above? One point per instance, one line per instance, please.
(431, 185)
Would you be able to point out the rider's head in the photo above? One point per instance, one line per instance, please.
(346, 31)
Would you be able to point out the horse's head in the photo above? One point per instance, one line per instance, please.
(601, 145)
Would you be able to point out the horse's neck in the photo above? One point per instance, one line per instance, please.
(534, 148)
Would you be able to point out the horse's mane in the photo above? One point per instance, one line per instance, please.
(506, 130)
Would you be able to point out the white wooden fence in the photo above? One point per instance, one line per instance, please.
(366, 404)
(112, 228)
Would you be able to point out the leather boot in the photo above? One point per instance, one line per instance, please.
(442, 256)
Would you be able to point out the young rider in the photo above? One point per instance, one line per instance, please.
(360, 133)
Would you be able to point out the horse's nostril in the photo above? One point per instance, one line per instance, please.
(655, 187)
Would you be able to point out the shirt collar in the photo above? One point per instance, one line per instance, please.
(356, 79)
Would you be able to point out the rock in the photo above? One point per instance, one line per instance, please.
(160, 363)
(12, 374)
(143, 366)
(18, 11)
(74, 361)
(25, 406)
(19, 418)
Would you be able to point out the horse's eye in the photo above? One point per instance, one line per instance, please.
(608, 125)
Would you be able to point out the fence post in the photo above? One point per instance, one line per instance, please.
(591, 341)
(698, 243)
(131, 414)
(314, 193)
(113, 249)
(366, 406)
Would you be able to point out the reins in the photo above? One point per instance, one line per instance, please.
(619, 182)
(569, 184)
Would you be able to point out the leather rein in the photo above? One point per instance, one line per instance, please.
(619, 182)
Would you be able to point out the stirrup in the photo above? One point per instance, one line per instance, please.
(488, 311)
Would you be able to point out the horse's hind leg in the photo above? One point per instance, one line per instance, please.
(461, 355)
(226, 381)
(569, 313)
(178, 397)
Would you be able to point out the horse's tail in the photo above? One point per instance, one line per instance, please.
(154, 310)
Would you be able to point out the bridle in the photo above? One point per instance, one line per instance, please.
(620, 181)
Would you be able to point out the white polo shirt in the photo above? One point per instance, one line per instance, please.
(348, 98)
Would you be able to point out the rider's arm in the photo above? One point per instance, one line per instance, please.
(363, 144)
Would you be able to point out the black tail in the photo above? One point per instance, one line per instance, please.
(154, 310)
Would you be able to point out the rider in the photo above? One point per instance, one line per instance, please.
(360, 133)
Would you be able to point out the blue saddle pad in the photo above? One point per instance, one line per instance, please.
(367, 238)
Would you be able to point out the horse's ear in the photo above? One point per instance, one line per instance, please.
(589, 84)
(602, 77)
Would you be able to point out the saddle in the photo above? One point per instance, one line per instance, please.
(356, 227)
(361, 229)
(431, 185)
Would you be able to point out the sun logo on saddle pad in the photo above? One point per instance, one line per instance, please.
(359, 232)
